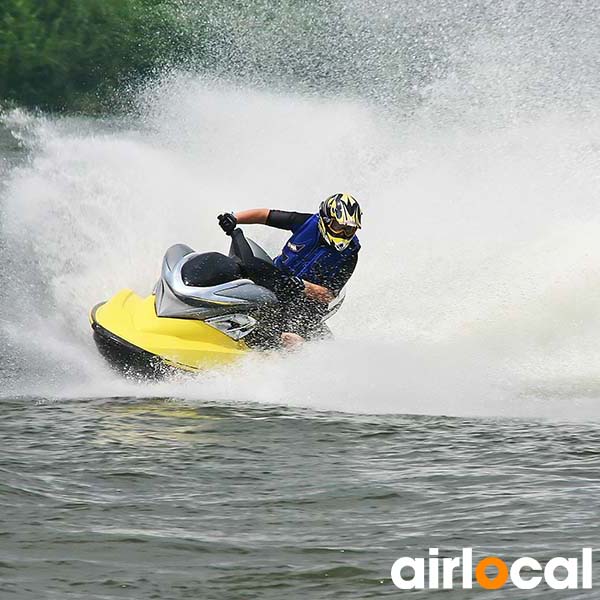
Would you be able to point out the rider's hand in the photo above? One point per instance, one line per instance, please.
(287, 287)
(296, 285)
(227, 222)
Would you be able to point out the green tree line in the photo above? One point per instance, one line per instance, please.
(71, 54)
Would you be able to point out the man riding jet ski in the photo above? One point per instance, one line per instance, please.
(208, 309)
(318, 260)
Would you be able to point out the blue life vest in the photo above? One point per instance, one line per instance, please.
(308, 256)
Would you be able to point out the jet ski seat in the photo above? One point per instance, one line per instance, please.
(209, 269)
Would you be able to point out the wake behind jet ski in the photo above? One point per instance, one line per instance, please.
(208, 309)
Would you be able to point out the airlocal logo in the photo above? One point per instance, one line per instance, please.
(525, 573)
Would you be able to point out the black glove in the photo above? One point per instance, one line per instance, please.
(287, 288)
(296, 284)
(293, 287)
(228, 222)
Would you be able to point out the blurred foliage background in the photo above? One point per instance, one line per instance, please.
(73, 54)
(89, 55)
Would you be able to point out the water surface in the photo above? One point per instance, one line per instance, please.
(156, 498)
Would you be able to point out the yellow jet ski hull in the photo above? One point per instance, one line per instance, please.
(134, 340)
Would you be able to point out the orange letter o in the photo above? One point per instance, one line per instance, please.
(501, 576)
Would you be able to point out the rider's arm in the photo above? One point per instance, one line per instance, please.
(281, 219)
(285, 219)
(318, 292)
(252, 216)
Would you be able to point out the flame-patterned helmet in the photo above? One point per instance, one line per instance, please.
(339, 218)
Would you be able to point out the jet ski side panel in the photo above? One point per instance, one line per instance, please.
(129, 322)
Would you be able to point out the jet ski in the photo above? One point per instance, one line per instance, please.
(203, 313)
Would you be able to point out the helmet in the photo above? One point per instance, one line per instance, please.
(339, 218)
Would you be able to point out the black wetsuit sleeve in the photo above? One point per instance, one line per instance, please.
(338, 280)
(283, 219)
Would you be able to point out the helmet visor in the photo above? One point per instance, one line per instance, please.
(344, 231)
